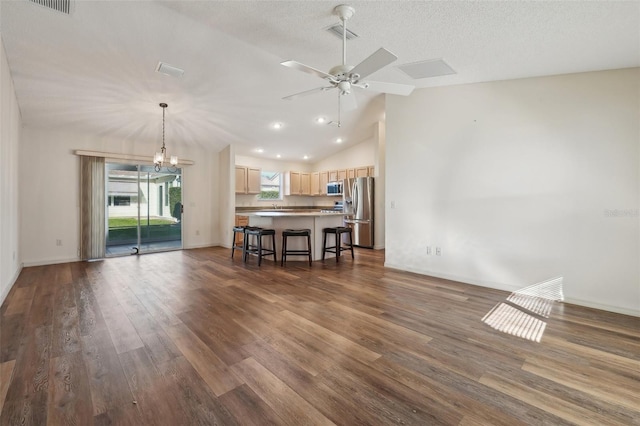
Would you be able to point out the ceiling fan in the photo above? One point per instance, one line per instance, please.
(344, 77)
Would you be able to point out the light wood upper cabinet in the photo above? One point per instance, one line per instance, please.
(333, 175)
(324, 180)
(297, 183)
(247, 180)
(305, 183)
(315, 183)
(351, 173)
(342, 174)
(371, 171)
(361, 171)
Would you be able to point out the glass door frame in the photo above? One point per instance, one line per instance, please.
(141, 175)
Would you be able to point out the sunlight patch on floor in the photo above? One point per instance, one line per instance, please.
(521, 315)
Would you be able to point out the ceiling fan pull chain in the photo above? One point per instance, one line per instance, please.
(339, 111)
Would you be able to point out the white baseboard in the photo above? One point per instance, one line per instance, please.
(452, 277)
(501, 286)
(603, 307)
(196, 246)
(12, 282)
(51, 261)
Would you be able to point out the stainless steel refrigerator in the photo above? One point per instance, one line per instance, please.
(358, 197)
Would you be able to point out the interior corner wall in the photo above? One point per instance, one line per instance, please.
(49, 191)
(226, 210)
(380, 192)
(520, 181)
(10, 135)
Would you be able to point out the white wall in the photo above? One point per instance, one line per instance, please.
(49, 200)
(10, 130)
(516, 181)
(361, 154)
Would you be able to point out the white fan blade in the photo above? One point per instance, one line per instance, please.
(378, 59)
(309, 70)
(348, 102)
(307, 92)
(391, 88)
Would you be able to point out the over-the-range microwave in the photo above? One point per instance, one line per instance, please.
(334, 188)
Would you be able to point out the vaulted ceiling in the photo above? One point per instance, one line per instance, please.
(95, 68)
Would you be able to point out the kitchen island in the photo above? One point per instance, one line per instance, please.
(283, 219)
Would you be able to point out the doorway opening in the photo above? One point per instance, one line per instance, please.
(143, 209)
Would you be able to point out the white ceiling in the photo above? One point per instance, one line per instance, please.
(95, 69)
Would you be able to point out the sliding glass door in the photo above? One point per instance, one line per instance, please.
(144, 209)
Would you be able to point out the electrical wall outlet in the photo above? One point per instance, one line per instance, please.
(428, 250)
(393, 204)
(438, 251)
(58, 243)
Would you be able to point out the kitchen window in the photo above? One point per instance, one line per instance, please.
(270, 186)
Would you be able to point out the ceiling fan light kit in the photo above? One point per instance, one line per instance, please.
(343, 77)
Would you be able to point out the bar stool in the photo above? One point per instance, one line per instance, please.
(295, 233)
(338, 247)
(234, 245)
(240, 246)
(257, 248)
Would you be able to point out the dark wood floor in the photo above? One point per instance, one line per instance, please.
(192, 337)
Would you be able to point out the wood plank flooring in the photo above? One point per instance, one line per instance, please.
(195, 338)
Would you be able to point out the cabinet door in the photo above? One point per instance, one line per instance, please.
(351, 173)
(333, 175)
(241, 180)
(295, 183)
(305, 184)
(315, 183)
(324, 180)
(342, 174)
(372, 171)
(253, 180)
(362, 172)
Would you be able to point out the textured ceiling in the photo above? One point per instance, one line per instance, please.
(95, 69)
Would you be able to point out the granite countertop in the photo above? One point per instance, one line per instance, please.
(287, 213)
(284, 208)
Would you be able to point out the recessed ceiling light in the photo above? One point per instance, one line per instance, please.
(339, 140)
(277, 125)
(260, 150)
(278, 156)
(306, 157)
(321, 120)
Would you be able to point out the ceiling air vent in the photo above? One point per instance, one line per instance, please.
(426, 69)
(166, 69)
(337, 31)
(63, 6)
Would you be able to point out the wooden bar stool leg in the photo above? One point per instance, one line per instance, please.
(273, 248)
(351, 243)
(324, 244)
(284, 250)
(259, 250)
(309, 247)
(338, 245)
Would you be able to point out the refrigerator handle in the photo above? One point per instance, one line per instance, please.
(354, 192)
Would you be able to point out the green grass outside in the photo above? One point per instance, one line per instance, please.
(125, 222)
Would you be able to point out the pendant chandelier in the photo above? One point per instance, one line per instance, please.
(161, 157)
